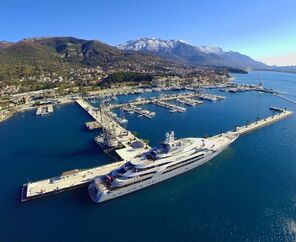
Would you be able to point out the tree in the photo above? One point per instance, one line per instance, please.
(82, 90)
(71, 89)
(146, 141)
(61, 90)
(135, 133)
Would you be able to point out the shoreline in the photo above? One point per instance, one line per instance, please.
(10, 114)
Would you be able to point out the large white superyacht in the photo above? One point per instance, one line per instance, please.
(172, 157)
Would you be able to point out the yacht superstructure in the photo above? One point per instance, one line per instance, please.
(172, 157)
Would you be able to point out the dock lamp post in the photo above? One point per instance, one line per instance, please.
(257, 119)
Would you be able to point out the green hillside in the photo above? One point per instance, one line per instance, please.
(42, 55)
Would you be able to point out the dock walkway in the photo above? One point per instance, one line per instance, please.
(253, 126)
(262, 122)
(142, 112)
(66, 181)
(170, 106)
(173, 97)
(123, 136)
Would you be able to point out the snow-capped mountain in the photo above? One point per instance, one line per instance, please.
(156, 45)
(181, 51)
(209, 49)
(146, 44)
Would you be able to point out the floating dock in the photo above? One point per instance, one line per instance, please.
(174, 97)
(172, 107)
(142, 112)
(188, 101)
(210, 97)
(72, 179)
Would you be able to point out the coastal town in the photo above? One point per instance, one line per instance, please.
(89, 81)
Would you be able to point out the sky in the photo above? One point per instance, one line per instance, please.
(262, 29)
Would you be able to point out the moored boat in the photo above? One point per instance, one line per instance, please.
(172, 157)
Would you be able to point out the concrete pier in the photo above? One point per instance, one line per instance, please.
(260, 123)
(45, 109)
(124, 137)
(66, 181)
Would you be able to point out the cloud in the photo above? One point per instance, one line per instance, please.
(279, 60)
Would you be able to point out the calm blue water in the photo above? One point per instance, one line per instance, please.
(248, 193)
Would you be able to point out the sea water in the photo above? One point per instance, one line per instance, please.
(247, 193)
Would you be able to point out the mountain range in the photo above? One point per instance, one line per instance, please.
(5, 44)
(56, 54)
(72, 50)
(35, 56)
(183, 52)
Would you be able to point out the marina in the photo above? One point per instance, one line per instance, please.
(188, 98)
(191, 97)
(123, 145)
(257, 169)
(150, 121)
(72, 179)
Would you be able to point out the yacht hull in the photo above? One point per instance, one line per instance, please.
(101, 197)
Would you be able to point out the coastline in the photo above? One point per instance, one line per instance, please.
(71, 98)
(8, 114)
